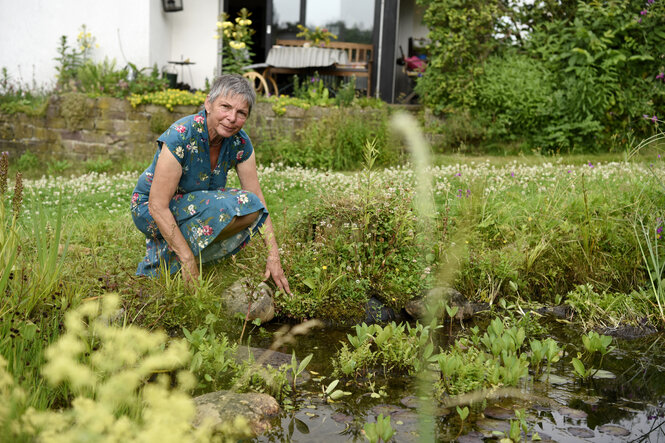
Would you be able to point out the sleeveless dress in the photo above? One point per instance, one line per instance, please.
(202, 205)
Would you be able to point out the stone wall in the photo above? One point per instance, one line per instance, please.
(76, 127)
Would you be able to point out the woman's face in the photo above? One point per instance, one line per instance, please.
(226, 116)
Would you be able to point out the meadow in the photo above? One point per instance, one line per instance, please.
(527, 231)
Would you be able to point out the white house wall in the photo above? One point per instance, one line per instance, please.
(192, 37)
(135, 31)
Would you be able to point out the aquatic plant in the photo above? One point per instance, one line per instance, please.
(380, 431)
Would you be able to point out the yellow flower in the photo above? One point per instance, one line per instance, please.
(227, 24)
(324, 267)
(219, 24)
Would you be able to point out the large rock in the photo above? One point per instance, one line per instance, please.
(239, 299)
(224, 406)
(418, 307)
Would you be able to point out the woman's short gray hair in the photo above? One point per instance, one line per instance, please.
(232, 84)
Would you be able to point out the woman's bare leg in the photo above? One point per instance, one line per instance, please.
(237, 224)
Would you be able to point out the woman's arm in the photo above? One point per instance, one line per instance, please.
(249, 181)
(164, 184)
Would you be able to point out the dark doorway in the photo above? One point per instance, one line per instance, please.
(259, 10)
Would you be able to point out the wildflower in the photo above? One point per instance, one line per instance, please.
(590, 165)
(661, 76)
(654, 119)
(644, 12)
(324, 267)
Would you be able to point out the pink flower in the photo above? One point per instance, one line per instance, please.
(180, 128)
(207, 230)
(198, 119)
(239, 156)
(660, 76)
(135, 198)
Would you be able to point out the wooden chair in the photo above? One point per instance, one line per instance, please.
(260, 83)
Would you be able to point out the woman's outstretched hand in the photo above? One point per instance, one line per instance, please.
(190, 273)
(274, 270)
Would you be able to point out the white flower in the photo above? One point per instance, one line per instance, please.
(191, 209)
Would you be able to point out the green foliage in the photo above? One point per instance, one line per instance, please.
(316, 146)
(562, 76)
(393, 348)
(516, 93)
(213, 360)
(462, 37)
(70, 59)
(77, 72)
(99, 165)
(169, 98)
(16, 97)
(360, 245)
(27, 161)
(607, 309)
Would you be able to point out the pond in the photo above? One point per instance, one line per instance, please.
(625, 402)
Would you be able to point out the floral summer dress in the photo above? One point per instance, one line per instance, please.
(202, 205)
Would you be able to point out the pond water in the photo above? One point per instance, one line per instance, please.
(625, 404)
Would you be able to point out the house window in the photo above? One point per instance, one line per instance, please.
(350, 20)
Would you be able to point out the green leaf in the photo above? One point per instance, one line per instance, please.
(579, 367)
(309, 283)
(463, 412)
(331, 386)
(304, 363)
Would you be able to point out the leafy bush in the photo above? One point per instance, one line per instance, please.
(601, 62)
(317, 146)
(514, 93)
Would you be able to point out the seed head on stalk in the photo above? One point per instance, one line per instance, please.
(18, 195)
(4, 169)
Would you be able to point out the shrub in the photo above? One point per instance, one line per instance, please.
(515, 93)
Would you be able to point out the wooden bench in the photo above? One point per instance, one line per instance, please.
(361, 58)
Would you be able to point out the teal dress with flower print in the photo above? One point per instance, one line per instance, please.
(202, 205)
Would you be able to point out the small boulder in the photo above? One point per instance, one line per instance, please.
(224, 407)
(417, 307)
(239, 299)
(377, 312)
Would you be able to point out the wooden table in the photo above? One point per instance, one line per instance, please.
(300, 60)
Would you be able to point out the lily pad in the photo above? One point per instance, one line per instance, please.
(499, 413)
(572, 413)
(489, 425)
(614, 430)
(603, 374)
(577, 431)
(555, 379)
